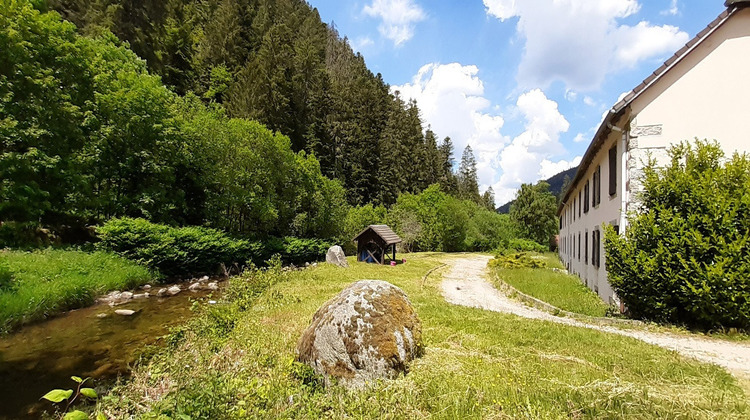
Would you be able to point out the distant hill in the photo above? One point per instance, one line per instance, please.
(555, 186)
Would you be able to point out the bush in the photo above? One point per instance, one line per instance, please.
(525, 245)
(517, 260)
(6, 277)
(685, 257)
(199, 250)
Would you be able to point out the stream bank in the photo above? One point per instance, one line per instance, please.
(90, 342)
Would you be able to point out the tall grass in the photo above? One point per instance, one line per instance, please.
(564, 291)
(43, 283)
(238, 361)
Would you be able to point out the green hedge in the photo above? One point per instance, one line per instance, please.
(199, 250)
(685, 257)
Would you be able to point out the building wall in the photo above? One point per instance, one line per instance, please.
(606, 212)
(706, 95)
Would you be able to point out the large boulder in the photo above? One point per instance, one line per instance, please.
(369, 331)
(335, 255)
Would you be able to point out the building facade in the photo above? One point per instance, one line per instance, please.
(703, 91)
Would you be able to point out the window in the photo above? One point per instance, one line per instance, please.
(586, 195)
(596, 244)
(613, 171)
(579, 246)
(574, 210)
(586, 249)
(597, 193)
(579, 204)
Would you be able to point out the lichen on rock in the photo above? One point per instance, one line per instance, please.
(369, 331)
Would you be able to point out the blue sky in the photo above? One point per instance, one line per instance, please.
(524, 82)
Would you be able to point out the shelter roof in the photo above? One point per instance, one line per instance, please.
(384, 232)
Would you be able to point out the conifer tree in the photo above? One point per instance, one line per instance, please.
(468, 184)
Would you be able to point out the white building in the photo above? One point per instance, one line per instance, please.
(703, 91)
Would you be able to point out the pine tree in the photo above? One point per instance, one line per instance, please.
(447, 178)
(468, 184)
(488, 199)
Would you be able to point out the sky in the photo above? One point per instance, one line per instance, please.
(525, 83)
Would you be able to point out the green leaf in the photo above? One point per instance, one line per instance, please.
(77, 379)
(76, 415)
(89, 392)
(57, 395)
(100, 416)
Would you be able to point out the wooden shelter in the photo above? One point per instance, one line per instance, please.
(374, 242)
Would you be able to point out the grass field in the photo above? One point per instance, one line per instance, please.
(561, 290)
(35, 285)
(237, 360)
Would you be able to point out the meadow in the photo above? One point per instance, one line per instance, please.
(237, 360)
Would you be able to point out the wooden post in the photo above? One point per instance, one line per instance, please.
(394, 252)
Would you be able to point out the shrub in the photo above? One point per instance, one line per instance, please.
(517, 260)
(198, 250)
(6, 277)
(172, 251)
(685, 257)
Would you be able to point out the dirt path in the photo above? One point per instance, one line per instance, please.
(465, 283)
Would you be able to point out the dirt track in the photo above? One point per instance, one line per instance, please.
(465, 283)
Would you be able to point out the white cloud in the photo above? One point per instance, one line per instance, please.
(581, 41)
(549, 169)
(571, 95)
(398, 18)
(580, 138)
(673, 10)
(527, 158)
(589, 101)
(501, 9)
(361, 43)
(451, 98)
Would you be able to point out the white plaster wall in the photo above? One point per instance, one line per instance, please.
(607, 212)
(706, 95)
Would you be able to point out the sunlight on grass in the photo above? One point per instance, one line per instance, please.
(563, 291)
(51, 281)
(478, 364)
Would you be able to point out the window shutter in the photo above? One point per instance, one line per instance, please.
(613, 171)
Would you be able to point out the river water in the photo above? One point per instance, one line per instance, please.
(85, 343)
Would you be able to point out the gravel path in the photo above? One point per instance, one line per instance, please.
(465, 283)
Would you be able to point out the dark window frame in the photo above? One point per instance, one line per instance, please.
(586, 249)
(586, 196)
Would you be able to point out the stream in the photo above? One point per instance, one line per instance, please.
(82, 342)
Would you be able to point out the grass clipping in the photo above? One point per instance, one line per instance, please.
(518, 260)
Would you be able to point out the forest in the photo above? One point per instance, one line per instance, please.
(209, 113)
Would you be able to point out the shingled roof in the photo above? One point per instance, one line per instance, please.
(384, 232)
(622, 107)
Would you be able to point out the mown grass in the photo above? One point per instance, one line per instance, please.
(237, 360)
(46, 282)
(563, 291)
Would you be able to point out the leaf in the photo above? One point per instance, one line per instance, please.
(77, 379)
(89, 392)
(101, 416)
(57, 395)
(76, 415)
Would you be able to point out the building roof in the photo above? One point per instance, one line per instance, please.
(620, 108)
(737, 3)
(384, 232)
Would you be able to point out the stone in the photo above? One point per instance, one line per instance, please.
(204, 279)
(173, 290)
(125, 312)
(146, 287)
(369, 331)
(141, 296)
(335, 256)
(195, 287)
(100, 316)
(213, 286)
(161, 292)
(126, 296)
